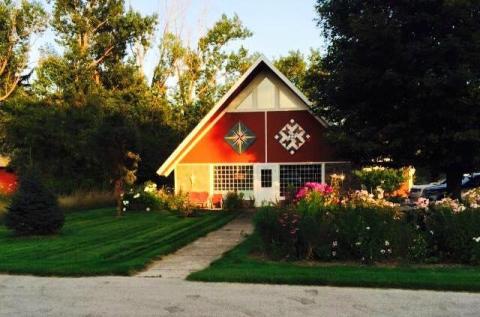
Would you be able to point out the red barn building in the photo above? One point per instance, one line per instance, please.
(261, 139)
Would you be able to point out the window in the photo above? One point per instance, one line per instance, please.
(266, 178)
(233, 177)
(292, 177)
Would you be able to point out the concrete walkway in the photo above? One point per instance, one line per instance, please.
(200, 253)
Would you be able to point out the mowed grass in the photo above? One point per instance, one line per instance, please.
(238, 266)
(98, 243)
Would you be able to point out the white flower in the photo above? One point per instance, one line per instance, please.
(136, 195)
(382, 251)
(417, 226)
(358, 243)
(431, 231)
(124, 209)
(387, 243)
(368, 228)
(126, 202)
(150, 188)
(334, 243)
(477, 239)
(334, 253)
(147, 209)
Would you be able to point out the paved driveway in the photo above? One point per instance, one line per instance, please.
(135, 296)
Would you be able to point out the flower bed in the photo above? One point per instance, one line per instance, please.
(323, 226)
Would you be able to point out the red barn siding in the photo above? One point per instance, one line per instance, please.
(314, 150)
(212, 148)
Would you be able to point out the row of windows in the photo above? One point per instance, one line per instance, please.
(233, 177)
(292, 177)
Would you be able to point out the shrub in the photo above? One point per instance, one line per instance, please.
(149, 198)
(34, 209)
(332, 232)
(362, 228)
(472, 198)
(233, 201)
(278, 229)
(417, 249)
(451, 234)
(139, 199)
(178, 202)
(388, 179)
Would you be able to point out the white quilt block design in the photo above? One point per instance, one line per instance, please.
(292, 136)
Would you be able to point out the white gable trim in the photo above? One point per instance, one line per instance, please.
(169, 165)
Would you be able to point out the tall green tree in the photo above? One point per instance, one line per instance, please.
(99, 39)
(201, 74)
(19, 22)
(403, 82)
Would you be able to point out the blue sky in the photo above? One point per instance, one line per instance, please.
(278, 26)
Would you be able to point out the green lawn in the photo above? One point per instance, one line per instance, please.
(238, 266)
(97, 243)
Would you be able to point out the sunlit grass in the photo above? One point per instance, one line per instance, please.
(98, 243)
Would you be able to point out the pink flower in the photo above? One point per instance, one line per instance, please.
(309, 187)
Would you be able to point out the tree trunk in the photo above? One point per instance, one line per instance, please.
(118, 193)
(454, 183)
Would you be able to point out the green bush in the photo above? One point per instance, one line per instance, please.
(389, 179)
(33, 210)
(451, 236)
(139, 200)
(370, 234)
(328, 233)
(277, 227)
(233, 201)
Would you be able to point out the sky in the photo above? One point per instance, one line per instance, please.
(278, 26)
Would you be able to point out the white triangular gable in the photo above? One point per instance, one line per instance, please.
(266, 92)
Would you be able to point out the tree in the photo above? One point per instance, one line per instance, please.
(306, 73)
(117, 140)
(293, 66)
(100, 39)
(201, 74)
(403, 82)
(34, 209)
(18, 24)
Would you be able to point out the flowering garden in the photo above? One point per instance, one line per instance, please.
(325, 237)
(324, 225)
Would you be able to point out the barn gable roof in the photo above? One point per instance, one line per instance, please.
(220, 108)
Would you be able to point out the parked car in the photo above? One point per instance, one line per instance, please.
(417, 191)
(438, 191)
